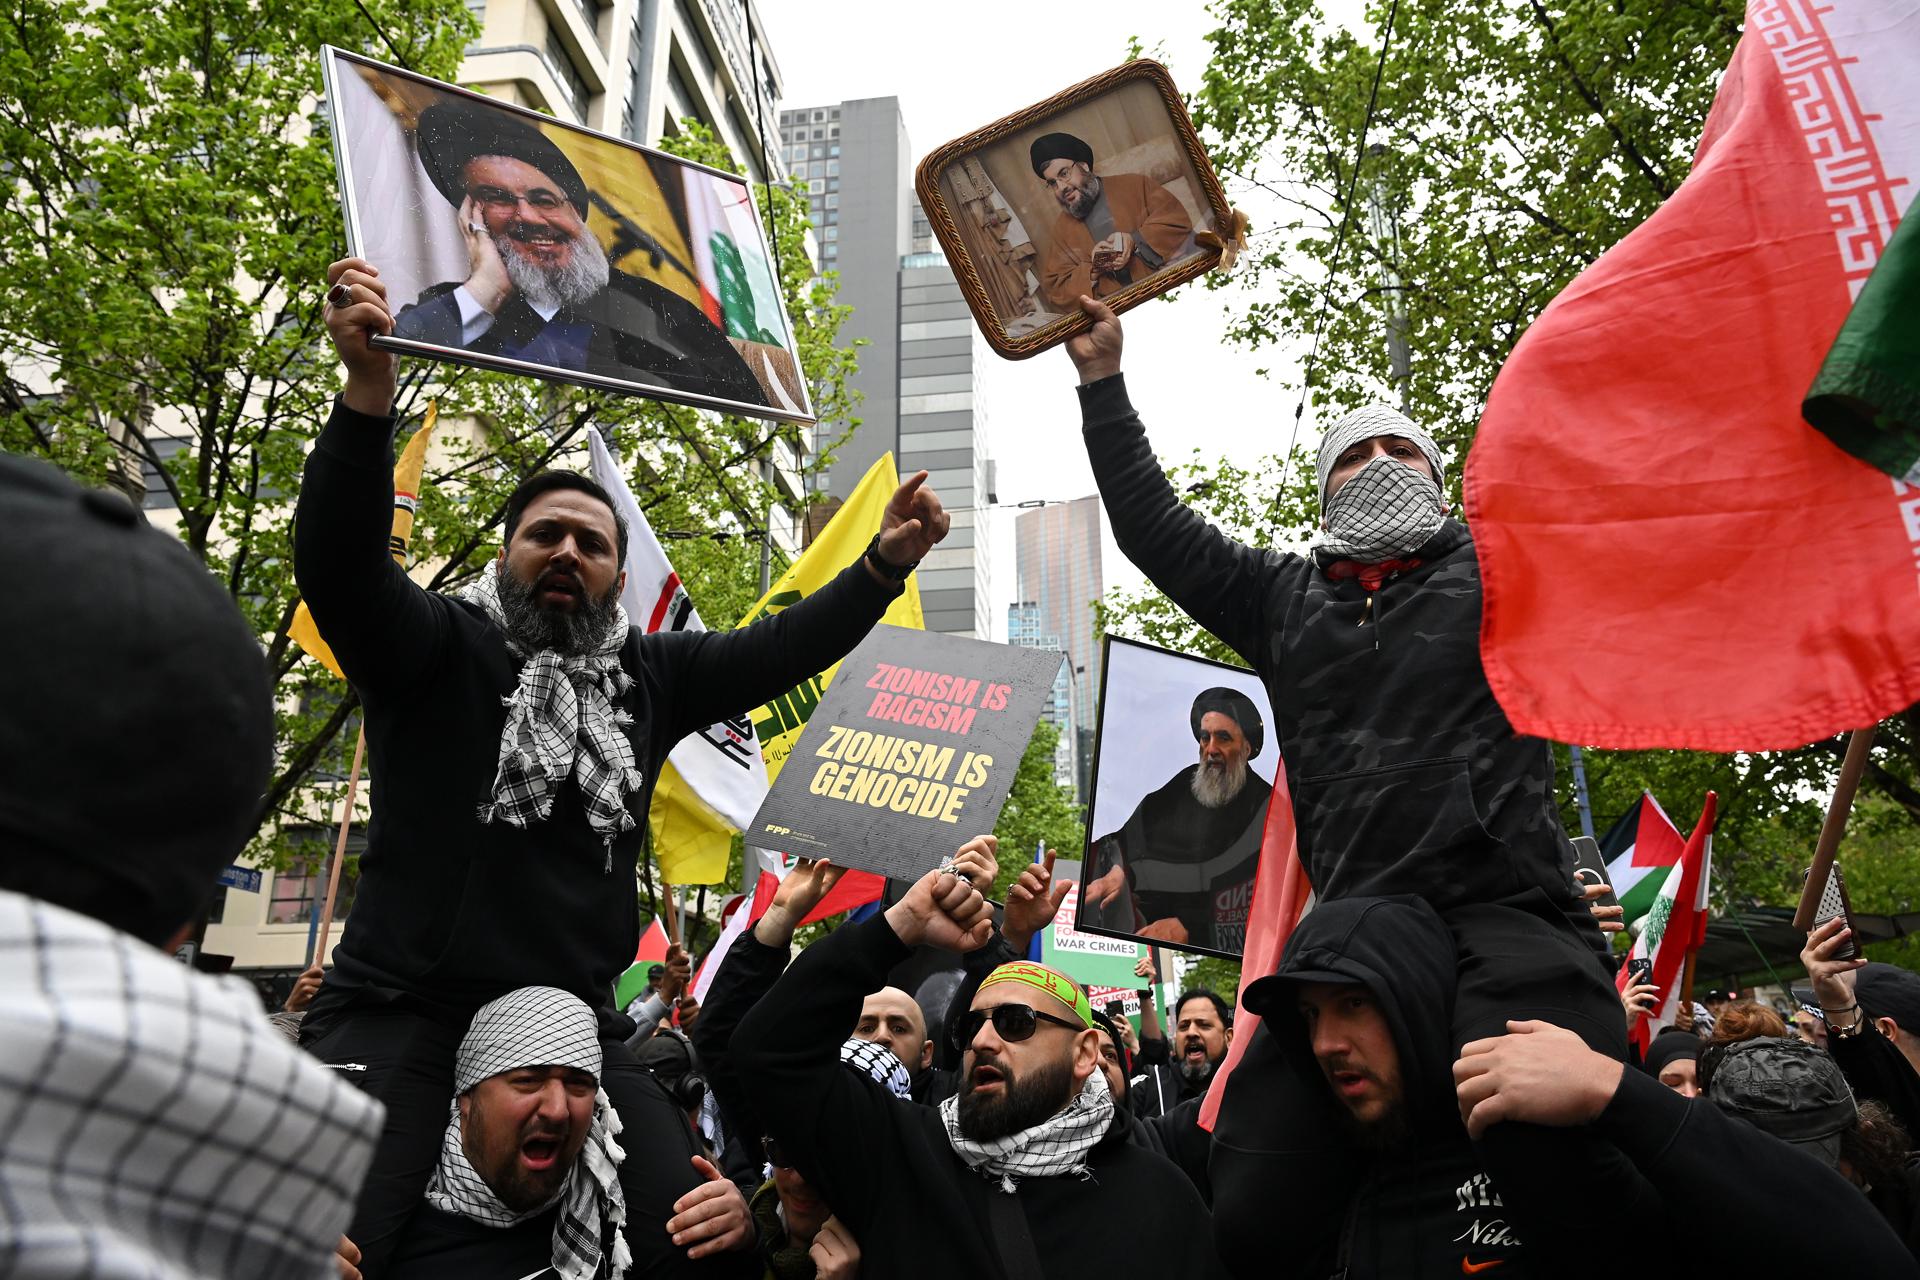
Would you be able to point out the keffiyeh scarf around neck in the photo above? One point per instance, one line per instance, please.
(1055, 1146)
(563, 720)
(541, 1026)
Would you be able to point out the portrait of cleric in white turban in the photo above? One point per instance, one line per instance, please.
(513, 241)
(1182, 775)
(1096, 194)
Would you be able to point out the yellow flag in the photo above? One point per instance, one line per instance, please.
(690, 840)
(406, 500)
(646, 240)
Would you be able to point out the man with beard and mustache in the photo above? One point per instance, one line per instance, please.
(539, 288)
(1180, 869)
(1112, 229)
(516, 732)
(1002, 1179)
(1406, 776)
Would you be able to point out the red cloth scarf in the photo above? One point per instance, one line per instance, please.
(1370, 575)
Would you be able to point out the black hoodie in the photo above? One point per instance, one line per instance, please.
(1427, 1209)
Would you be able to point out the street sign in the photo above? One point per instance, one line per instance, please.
(240, 878)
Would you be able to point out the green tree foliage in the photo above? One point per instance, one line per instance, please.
(1039, 811)
(1512, 144)
(167, 215)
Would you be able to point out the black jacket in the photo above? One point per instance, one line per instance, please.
(1406, 776)
(889, 1172)
(1427, 1209)
(449, 910)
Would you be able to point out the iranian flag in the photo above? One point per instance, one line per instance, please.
(1675, 927)
(1671, 555)
(1638, 851)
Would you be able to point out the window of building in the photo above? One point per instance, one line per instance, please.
(833, 201)
(833, 131)
(834, 150)
(157, 496)
(801, 171)
(217, 909)
(833, 233)
(819, 151)
(819, 134)
(296, 893)
(560, 62)
(834, 114)
(816, 185)
(819, 115)
(833, 168)
(833, 216)
(833, 184)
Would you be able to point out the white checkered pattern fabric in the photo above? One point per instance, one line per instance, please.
(1053, 1147)
(1364, 424)
(879, 1063)
(152, 1123)
(563, 720)
(1384, 511)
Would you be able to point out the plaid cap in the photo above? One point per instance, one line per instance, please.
(531, 1027)
(1051, 981)
(1364, 424)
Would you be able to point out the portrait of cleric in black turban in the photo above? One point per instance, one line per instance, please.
(513, 241)
(1095, 195)
(1183, 773)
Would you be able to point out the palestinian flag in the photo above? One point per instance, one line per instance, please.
(1867, 397)
(1671, 556)
(1676, 926)
(1638, 850)
(652, 951)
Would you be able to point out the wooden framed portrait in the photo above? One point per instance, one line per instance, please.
(1102, 189)
(512, 241)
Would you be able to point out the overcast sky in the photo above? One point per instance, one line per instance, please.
(954, 73)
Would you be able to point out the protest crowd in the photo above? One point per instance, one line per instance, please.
(1447, 1071)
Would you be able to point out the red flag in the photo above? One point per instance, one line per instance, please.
(1671, 556)
(1280, 892)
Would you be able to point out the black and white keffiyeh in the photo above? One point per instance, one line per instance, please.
(1055, 1146)
(156, 1125)
(878, 1063)
(1386, 509)
(541, 1027)
(564, 719)
(1365, 423)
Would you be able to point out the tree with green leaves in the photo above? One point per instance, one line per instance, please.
(1039, 813)
(1510, 145)
(168, 209)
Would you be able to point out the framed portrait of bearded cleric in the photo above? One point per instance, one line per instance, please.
(1102, 189)
(512, 241)
(1183, 769)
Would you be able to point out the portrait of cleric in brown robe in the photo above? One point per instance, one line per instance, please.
(1112, 229)
(1180, 869)
(539, 287)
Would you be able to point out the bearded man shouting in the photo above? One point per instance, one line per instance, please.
(1185, 857)
(513, 736)
(539, 287)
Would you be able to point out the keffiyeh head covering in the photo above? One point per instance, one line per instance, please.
(541, 1027)
(1386, 509)
(879, 1063)
(564, 719)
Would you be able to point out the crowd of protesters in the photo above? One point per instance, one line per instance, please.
(1439, 1081)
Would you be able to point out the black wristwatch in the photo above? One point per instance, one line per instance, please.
(894, 572)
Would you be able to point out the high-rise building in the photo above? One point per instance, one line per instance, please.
(917, 367)
(1057, 550)
(1024, 629)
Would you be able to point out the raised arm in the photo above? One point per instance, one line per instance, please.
(383, 628)
(1216, 580)
(722, 674)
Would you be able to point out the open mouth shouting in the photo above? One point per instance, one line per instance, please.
(540, 1152)
(558, 588)
(987, 1076)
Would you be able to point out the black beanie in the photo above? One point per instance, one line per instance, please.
(137, 733)
(1237, 707)
(1059, 146)
(451, 133)
(1108, 1025)
(1671, 1045)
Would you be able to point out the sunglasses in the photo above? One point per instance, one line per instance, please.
(1011, 1022)
(775, 1156)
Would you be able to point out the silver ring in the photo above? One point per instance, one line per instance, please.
(340, 295)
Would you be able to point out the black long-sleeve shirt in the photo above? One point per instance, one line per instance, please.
(886, 1167)
(450, 910)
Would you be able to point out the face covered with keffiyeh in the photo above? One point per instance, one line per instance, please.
(1380, 495)
(531, 1129)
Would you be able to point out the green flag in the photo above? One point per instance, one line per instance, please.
(1866, 398)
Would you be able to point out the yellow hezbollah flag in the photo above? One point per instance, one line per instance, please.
(406, 499)
(690, 840)
(637, 225)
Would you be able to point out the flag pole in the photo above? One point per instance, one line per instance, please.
(1580, 801)
(670, 918)
(1859, 743)
(340, 848)
(1683, 1016)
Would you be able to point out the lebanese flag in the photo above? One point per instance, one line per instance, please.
(1638, 849)
(1281, 895)
(1675, 927)
(1671, 556)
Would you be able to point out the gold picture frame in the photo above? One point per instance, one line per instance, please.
(1020, 245)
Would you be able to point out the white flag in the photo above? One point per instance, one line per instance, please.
(722, 762)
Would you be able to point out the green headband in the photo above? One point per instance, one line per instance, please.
(1038, 976)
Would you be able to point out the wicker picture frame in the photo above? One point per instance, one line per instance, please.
(996, 220)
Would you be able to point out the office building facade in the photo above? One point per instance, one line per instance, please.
(1024, 629)
(1057, 555)
(918, 366)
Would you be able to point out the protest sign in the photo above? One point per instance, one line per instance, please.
(1087, 958)
(910, 753)
(1182, 776)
